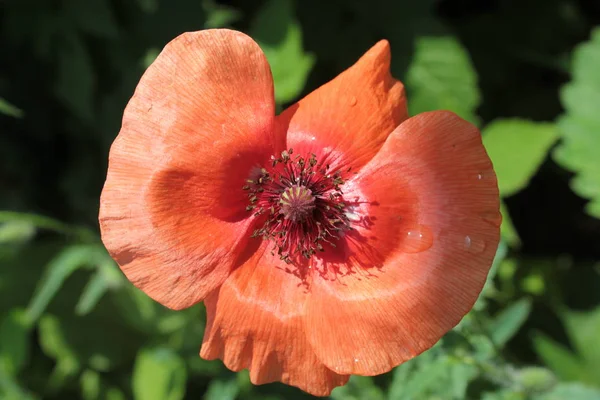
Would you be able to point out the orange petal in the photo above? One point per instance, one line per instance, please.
(351, 116)
(172, 211)
(367, 321)
(255, 321)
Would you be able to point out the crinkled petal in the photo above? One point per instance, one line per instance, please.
(255, 321)
(347, 120)
(172, 211)
(433, 228)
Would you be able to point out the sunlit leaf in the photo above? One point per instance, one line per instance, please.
(222, 390)
(150, 56)
(219, 16)
(159, 374)
(501, 253)
(16, 232)
(431, 375)
(508, 321)
(8, 109)
(507, 229)
(55, 344)
(358, 388)
(441, 77)
(570, 391)
(38, 221)
(580, 125)
(90, 383)
(94, 386)
(505, 394)
(517, 148)
(583, 328)
(280, 37)
(559, 359)
(106, 277)
(535, 379)
(92, 293)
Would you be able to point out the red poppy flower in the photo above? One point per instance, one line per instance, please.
(340, 237)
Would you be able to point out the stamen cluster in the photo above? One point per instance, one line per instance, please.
(302, 203)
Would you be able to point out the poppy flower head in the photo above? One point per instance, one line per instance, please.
(340, 237)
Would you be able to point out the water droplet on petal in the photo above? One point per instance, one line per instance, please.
(418, 238)
(356, 360)
(473, 245)
(480, 176)
(494, 218)
(353, 101)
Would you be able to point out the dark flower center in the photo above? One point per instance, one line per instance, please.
(301, 203)
(297, 203)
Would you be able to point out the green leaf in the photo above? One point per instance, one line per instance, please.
(93, 291)
(570, 391)
(559, 359)
(90, 383)
(580, 125)
(8, 109)
(517, 148)
(434, 374)
(504, 394)
(58, 270)
(42, 222)
(508, 321)
(535, 379)
(94, 387)
(501, 253)
(55, 344)
(108, 276)
(507, 229)
(584, 331)
(159, 374)
(15, 232)
(358, 388)
(21, 268)
(14, 341)
(280, 36)
(150, 56)
(10, 388)
(100, 340)
(219, 16)
(222, 390)
(139, 310)
(441, 77)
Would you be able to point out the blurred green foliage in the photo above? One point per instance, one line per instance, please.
(528, 73)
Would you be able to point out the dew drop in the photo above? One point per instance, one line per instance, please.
(480, 176)
(494, 218)
(418, 238)
(356, 360)
(353, 101)
(473, 245)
